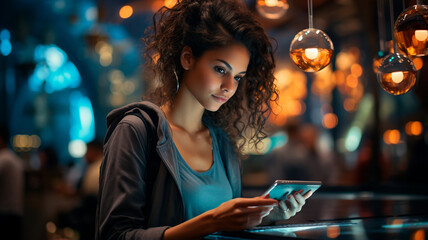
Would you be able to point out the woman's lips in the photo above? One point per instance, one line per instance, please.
(220, 99)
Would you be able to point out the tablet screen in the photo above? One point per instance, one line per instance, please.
(281, 188)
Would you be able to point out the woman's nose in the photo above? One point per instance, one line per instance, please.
(228, 84)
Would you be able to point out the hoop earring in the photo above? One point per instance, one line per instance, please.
(178, 82)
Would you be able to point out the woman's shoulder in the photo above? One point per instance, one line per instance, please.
(143, 109)
(138, 115)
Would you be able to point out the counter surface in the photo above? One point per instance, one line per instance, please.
(349, 215)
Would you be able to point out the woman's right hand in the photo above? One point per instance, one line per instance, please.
(241, 213)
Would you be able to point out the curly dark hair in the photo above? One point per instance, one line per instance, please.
(211, 24)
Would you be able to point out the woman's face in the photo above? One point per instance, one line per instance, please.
(214, 77)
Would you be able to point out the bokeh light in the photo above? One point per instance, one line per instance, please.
(170, 3)
(353, 138)
(330, 120)
(272, 9)
(292, 91)
(392, 136)
(414, 128)
(77, 148)
(419, 63)
(418, 235)
(126, 12)
(333, 231)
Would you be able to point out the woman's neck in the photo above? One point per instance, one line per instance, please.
(185, 112)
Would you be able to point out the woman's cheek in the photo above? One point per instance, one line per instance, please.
(208, 80)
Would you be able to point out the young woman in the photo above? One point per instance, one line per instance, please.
(170, 168)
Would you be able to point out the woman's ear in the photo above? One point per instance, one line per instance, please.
(186, 58)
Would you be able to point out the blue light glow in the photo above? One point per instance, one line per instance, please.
(5, 47)
(407, 225)
(5, 35)
(82, 118)
(55, 57)
(353, 139)
(91, 13)
(278, 140)
(53, 70)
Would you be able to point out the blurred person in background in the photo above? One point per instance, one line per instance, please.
(11, 189)
(82, 217)
(49, 172)
(91, 176)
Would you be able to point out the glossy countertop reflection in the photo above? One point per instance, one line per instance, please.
(391, 228)
(344, 214)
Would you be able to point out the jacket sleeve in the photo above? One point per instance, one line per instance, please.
(122, 187)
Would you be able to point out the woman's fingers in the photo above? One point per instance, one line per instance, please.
(251, 217)
(300, 199)
(293, 205)
(283, 206)
(257, 201)
(253, 210)
(308, 194)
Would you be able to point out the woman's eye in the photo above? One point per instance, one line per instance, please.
(219, 70)
(238, 79)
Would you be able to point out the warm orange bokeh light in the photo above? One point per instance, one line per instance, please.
(394, 136)
(391, 136)
(292, 92)
(349, 105)
(295, 108)
(397, 222)
(330, 120)
(170, 3)
(356, 70)
(333, 231)
(419, 63)
(419, 235)
(324, 82)
(414, 128)
(340, 77)
(157, 4)
(126, 12)
(351, 81)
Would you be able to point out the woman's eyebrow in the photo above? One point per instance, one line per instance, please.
(225, 63)
(228, 65)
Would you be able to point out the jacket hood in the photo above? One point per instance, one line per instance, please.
(149, 111)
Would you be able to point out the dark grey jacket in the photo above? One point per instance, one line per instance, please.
(140, 184)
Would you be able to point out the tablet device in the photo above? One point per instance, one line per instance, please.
(281, 188)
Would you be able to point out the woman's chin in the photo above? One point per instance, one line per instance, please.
(213, 107)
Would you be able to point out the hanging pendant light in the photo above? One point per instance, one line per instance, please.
(411, 30)
(311, 49)
(397, 73)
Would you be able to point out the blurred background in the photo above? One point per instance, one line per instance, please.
(64, 64)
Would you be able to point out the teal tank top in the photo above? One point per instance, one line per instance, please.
(203, 191)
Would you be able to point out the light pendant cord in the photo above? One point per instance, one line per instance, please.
(310, 14)
(391, 13)
(381, 24)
